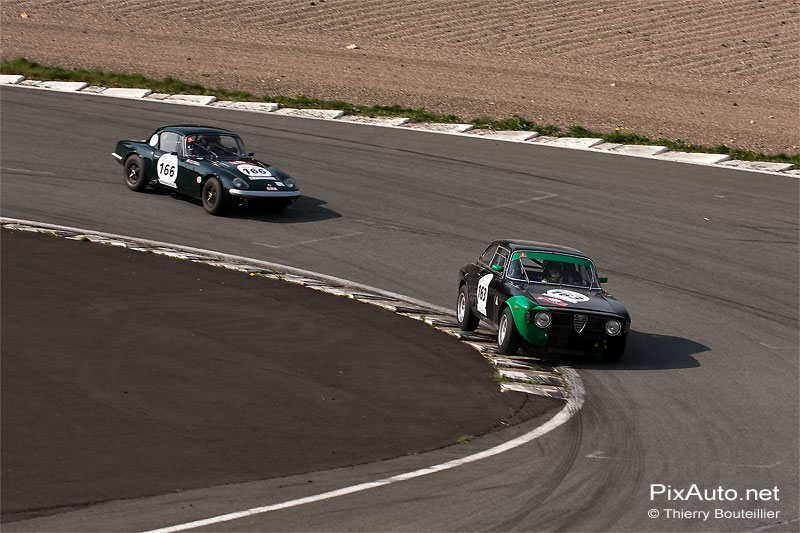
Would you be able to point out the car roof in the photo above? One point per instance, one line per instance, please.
(185, 129)
(516, 244)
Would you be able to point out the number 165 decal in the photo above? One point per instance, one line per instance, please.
(167, 168)
(483, 292)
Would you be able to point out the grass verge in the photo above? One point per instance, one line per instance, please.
(169, 85)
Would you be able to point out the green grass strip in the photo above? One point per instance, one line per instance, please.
(170, 85)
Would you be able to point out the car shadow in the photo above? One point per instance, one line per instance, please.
(305, 209)
(644, 351)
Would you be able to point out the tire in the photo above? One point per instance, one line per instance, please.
(135, 178)
(213, 197)
(467, 320)
(614, 350)
(508, 338)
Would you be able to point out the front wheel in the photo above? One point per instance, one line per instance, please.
(467, 320)
(508, 338)
(135, 178)
(213, 197)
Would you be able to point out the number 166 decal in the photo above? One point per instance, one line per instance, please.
(167, 168)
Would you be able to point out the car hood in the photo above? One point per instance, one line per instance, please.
(575, 299)
(248, 168)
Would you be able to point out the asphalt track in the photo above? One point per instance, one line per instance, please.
(706, 260)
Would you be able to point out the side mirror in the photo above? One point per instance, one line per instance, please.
(251, 154)
(603, 279)
(497, 268)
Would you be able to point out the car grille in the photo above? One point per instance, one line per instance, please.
(576, 328)
(579, 322)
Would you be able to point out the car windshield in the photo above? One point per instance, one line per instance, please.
(215, 145)
(551, 269)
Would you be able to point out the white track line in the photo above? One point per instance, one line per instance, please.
(574, 404)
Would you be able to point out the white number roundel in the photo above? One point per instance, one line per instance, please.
(569, 296)
(255, 172)
(167, 169)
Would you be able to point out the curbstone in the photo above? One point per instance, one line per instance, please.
(758, 165)
(439, 127)
(503, 135)
(376, 121)
(157, 96)
(94, 89)
(192, 99)
(632, 149)
(693, 157)
(119, 92)
(258, 107)
(309, 113)
(575, 142)
(65, 86)
(10, 79)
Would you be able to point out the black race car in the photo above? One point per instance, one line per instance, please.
(547, 295)
(207, 163)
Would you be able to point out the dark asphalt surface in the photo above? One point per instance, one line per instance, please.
(705, 258)
(127, 374)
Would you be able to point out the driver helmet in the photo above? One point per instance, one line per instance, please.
(552, 268)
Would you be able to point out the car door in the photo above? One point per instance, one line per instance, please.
(475, 275)
(495, 283)
(172, 170)
(165, 158)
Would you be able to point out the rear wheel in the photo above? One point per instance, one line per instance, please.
(467, 320)
(135, 177)
(508, 338)
(213, 197)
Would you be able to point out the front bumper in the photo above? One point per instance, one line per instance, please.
(241, 193)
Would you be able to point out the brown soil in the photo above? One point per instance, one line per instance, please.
(704, 72)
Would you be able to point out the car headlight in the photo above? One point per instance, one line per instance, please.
(239, 183)
(613, 327)
(289, 182)
(542, 319)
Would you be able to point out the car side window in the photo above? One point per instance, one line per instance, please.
(487, 255)
(170, 141)
(500, 257)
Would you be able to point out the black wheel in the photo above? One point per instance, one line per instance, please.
(467, 320)
(508, 338)
(614, 350)
(135, 178)
(213, 197)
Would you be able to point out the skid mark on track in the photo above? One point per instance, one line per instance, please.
(311, 241)
(544, 196)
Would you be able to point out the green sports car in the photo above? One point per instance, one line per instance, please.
(549, 296)
(206, 163)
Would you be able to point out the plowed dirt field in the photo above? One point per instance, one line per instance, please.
(705, 72)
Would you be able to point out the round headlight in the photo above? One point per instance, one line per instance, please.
(542, 319)
(613, 327)
(239, 183)
(289, 182)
